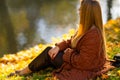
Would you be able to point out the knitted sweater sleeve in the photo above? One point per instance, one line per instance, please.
(64, 44)
(87, 52)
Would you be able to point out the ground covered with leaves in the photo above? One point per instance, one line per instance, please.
(11, 62)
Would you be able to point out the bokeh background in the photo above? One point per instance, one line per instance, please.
(25, 23)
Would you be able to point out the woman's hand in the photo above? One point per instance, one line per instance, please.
(68, 50)
(53, 52)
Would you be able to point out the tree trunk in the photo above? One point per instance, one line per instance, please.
(6, 25)
(109, 6)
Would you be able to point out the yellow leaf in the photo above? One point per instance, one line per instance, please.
(104, 76)
(116, 29)
(118, 72)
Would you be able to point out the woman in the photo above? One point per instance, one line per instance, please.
(83, 56)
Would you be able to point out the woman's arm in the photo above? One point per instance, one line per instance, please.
(64, 44)
(59, 47)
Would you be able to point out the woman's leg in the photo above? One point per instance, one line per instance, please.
(24, 71)
(58, 60)
(43, 61)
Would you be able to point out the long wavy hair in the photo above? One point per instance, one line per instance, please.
(90, 14)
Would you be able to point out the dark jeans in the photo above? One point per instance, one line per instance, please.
(43, 61)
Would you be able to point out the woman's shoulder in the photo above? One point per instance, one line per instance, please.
(93, 32)
(93, 29)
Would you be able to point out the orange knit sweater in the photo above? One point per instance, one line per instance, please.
(85, 61)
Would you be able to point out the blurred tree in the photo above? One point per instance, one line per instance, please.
(32, 9)
(63, 13)
(109, 6)
(7, 28)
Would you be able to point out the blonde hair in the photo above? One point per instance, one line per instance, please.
(90, 14)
